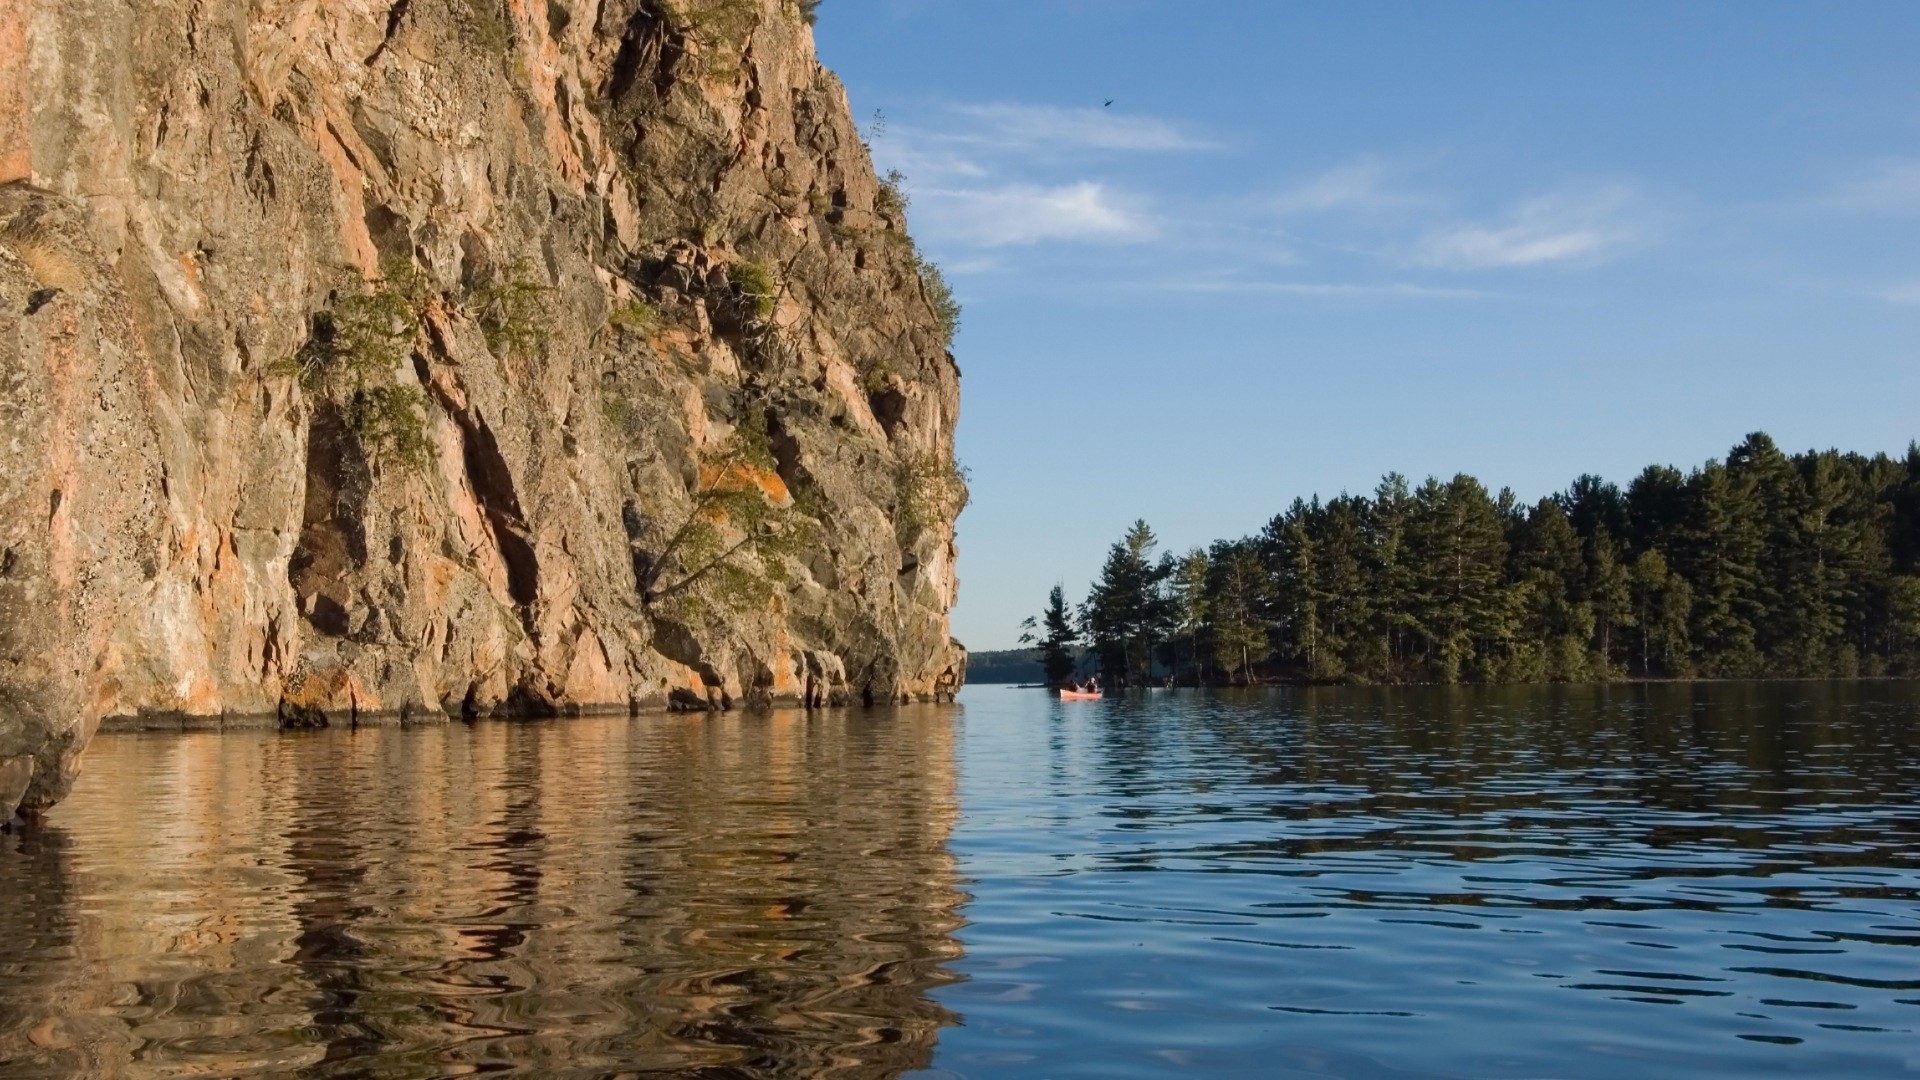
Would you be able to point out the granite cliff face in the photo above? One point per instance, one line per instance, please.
(453, 357)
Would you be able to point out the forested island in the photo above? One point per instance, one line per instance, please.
(1764, 565)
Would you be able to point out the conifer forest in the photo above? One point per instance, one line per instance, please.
(1764, 565)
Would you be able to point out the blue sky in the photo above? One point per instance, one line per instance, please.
(1311, 243)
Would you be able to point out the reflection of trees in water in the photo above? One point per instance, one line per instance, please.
(329, 866)
(1675, 746)
(735, 896)
(1492, 763)
(801, 939)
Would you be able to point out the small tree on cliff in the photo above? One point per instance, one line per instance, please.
(1053, 638)
(739, 525)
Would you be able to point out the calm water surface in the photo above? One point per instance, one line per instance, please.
(1666, 881)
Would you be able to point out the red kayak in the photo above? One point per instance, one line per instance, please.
(1076, 695)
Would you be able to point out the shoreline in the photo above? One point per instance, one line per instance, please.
(186, 723)
(1277, 684)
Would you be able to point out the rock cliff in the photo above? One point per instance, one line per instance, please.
(454, 357)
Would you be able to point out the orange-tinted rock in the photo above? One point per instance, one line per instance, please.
(185, 527)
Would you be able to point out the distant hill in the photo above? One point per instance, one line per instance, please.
(1005, 666)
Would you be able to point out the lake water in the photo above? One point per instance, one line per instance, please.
(1585, 882)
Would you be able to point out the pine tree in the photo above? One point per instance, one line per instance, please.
(1053, 636)
(1187, 591)
(1292, 560)
(1457, 542)
(1343, 587)
(1662, 606)
(1803, 564)
(1549, 574)
(1391, 623)
(1593, 505)
(1657, 506)
(1127, 610)
(1824, 574)
(1872, 519)
(1609, 592)
(1719, 555)
(1904, 624)
(1237, 594)
(1904, 534)
(1775, 497)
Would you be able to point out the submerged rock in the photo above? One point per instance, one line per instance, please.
(374, 358)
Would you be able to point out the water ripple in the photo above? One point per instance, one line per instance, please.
(766, 896)
(1707, 877)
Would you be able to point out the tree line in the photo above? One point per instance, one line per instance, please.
(1763, 565)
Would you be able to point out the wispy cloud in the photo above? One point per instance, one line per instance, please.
(1357, 186)
(929, 163)
(1404, 289)
(985, 264)
(998, 174)
(1907, 293)
(1054, 127)
(1889, 187)
(1029, 213)
(1550, 229)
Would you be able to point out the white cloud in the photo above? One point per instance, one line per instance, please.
(1050, 126)
(1892, 187)
(1907, 293)
(1029, 213)
(1358, 186)
(985, 264)
(982, 179)
(1331, 289)
(1550, 229)
(929, 164)
(978, 141)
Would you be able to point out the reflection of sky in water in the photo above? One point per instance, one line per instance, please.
(736, 896)
(1666, 881)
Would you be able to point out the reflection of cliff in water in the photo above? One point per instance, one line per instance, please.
(738, 896)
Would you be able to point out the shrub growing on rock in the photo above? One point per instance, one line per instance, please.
(353, 354)
(753, 284)
(511, 310)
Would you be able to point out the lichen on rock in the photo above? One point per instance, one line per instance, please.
(366, 357)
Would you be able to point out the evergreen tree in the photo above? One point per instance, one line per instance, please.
(1549, 575)
(1457, 542)
(1771, 563)
(1187, 595)
(1904, 624)
(1237, 595)
(1904, 536)
(1872, 517)
(1825, 574)
(1772, 493)
(1657, 505)
(1343, 588)
(1609, 592)
(1662, 606)
(1593, 505)
(1546, 544)
(1054, 638)
(1391, 623)
(1127, 610)
(1719, 555)
(1292, 560)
